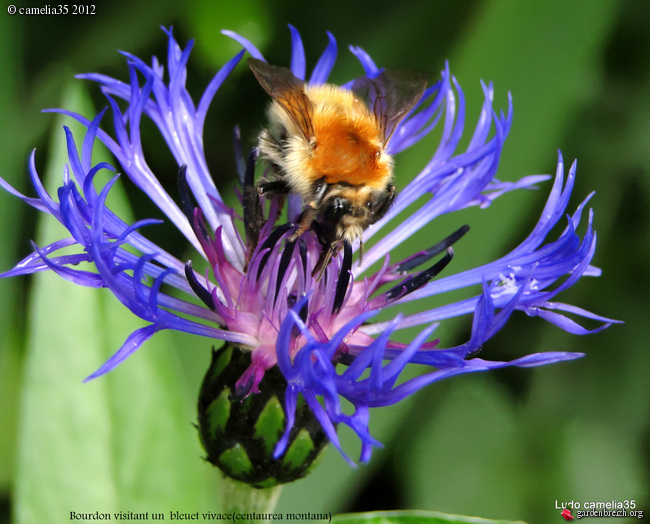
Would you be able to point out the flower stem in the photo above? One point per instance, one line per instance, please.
(252, 504)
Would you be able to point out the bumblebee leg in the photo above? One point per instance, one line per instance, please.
(310, 211)
(304, 220)
(277, 188)
(323, 261)
(329, 252)
(274, 187)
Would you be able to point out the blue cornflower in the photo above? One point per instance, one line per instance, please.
(261, 296)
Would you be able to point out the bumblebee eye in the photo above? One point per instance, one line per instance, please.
(337, 208)
(379, 205)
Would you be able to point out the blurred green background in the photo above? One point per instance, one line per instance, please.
(504, 445)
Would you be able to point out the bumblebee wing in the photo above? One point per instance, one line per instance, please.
(390, 96)
(288, 91)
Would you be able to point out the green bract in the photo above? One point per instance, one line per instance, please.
(240, 435)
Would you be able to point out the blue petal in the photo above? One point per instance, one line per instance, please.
(325, 63)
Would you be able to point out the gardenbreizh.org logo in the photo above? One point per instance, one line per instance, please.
(574, 509)
(566, 513)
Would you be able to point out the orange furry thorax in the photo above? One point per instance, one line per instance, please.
(348, 143)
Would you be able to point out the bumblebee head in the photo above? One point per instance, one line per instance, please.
(348, 211)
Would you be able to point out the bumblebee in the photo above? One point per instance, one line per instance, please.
(328, 144)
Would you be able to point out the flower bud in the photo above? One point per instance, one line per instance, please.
(240, 435)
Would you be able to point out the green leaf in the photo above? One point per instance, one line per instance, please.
(13, 167)
(413, 517)
(122, 442)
